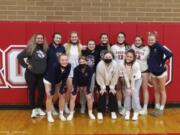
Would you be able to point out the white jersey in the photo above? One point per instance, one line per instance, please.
(142, 55)
(73, 58)
(119, 53)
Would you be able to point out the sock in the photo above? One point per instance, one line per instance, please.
(49, 113)
(162, 107)
(90, 111)
(145, 106)
(61, 112)
(119, 104)
(157, 106)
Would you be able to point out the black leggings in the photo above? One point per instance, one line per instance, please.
(35, 81)
(112, 102)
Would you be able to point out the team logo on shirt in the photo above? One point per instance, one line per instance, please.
(90, 60)
(40, 54)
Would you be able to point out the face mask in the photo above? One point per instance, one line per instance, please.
(107, 61)
(82, 65)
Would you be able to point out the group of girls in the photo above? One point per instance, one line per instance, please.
(111, 74)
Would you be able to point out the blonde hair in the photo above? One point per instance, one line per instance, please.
(153, 33)
(31, 45)
(59, 55)
(68, 47)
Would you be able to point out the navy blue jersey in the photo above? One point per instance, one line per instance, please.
(82, 79)
(52, 54)
(157, 58)
(55, 75)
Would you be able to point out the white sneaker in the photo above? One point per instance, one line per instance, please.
(83, 108)
(127, 115)
(143, 112)
(122, 111)
(34, 113)
(41, 112)
(135, 116)
(70, 116)
(66, 109)
(62, 118)
(113, 115)
(99, 116)
(49, 117)
(91, 116)
(54, 112)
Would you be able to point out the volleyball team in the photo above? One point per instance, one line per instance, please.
(110, 75)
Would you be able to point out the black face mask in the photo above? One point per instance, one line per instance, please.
(82, 66)
(107, 61)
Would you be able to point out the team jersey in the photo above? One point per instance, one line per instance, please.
(119, 52)
(142, 55)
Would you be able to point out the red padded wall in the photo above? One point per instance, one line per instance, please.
(18, 33)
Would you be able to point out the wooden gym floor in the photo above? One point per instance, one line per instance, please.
(18, 122)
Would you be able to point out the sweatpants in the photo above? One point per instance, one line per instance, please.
(102, 102)
(133, 101)
(35, 81)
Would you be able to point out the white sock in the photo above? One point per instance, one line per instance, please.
(61, 112)
(145, 106)
(157, 106)
(49, 113)
(90, 111)
(119, 104)
(162, 107)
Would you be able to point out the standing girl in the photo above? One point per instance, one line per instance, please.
(36, 54)
(142, 54)
(55, 48)
(82, 80)
(103, 46)
(106, 77)
(57, 74)
(131, 72)
(119, 49)
(91, 55)
(156, 62)
(73, 50)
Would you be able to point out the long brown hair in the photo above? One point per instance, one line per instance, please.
(31, 45)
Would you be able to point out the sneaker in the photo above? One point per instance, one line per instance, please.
(99, 116)
(122, 111)
(34, 113)
(127, 115)
(62, 118)
(143, 112)
(70, 116)
(135, 116)
(41, 112)
(83, 109)
(113, 115)
(49, 117)
(157, 113)
(91, 116)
